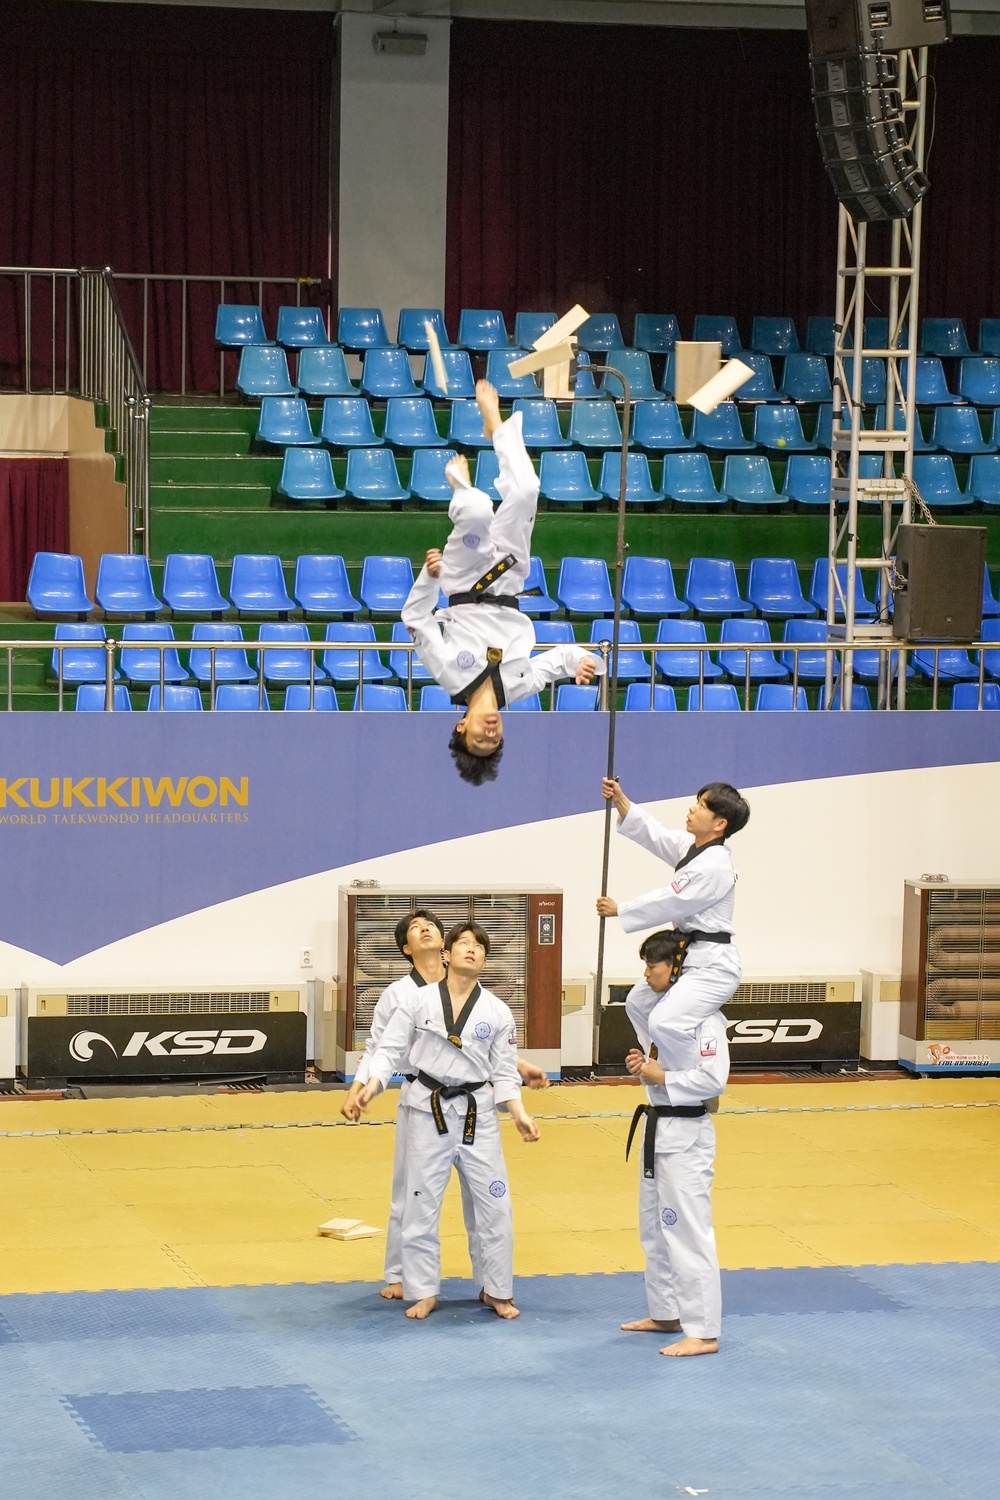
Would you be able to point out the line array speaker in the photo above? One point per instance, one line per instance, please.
(839, 26)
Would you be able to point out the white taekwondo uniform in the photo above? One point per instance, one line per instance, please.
(388, 1002)
(675, 1208)
(486, 1066)
(454, 642)
(700, 899)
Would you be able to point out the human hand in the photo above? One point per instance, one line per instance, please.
(432, 562)
(634, 1061)
(349, 1109)
(527, 1128)
(651, 1072)
(531, 1074)
(368, 1093)
(586, 670)
(607, 907)
(612, 792)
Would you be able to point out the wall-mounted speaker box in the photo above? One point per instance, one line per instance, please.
(838, 26)
(942, 596)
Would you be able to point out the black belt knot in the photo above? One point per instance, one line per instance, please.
(441, 1091)
(654, 1113)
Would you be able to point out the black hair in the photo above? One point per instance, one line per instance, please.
(403, 925)
(479, 933)
(725, 801)
(660, 947)
(474, 768)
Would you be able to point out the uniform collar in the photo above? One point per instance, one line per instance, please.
(492, 669)
(695, 850)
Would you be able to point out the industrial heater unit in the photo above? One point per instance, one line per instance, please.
(949, 1019)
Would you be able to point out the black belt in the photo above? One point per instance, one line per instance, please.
(708, 937)
(478, 595)
(441, 1091)
(410, 1077)
(654, 1114)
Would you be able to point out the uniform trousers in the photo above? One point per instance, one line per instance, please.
(429, 1160)
(394, 1233)
(675, 1228)
(675, 1016)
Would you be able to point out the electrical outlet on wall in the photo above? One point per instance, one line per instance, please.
(305, 958)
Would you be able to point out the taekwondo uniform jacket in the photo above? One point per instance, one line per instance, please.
(388, 1003)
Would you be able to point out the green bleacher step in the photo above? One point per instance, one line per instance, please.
(230, 471)
(197, 442)
(204, 418)
(210, 497)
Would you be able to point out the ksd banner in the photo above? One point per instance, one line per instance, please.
(110, 1048)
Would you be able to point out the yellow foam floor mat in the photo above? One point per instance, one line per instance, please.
(223, 1190)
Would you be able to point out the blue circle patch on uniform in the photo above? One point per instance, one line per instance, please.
(465, 659)
(497, 1189)
(471, 540)
(483, 1030)
(668, 1217)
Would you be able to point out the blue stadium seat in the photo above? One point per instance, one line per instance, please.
(125, 585)
(307, 474)
(760, 386)
(639, 487)
(648, 588)
(573, 698)
(780, 697)
(990, 631)
(594, 425)
(763, 665)
(687, 480)
(289, 664)
(178, 698)
(297, 698)
(657, 333)
(584, 587)
(465, 427)
(806, 377)
(586, 387)
(554, 633)
(90, 698)
(191, 584)
(377, 698)
(979, 380)
(263, 371)
(774, 336)
(600, 333)
(634, 365)
(82, 663)
(965, 695)
(323, 372)
(403, 661)
(932, 388)
(565, 478)
(820, 336)
(920, 443)
(864, 609)
(859, 697)
(372, 476)
(509, 386)
(302, 328)
(435, 700)
(284, 422)
(482, 328)
(257, 585)
(868, 660)
(989, 335)
(540, 424)
(716, 697)
(362, 328)
(656, 426)
(529, 326)
(667, 383)
(711, 588)
(458, 369)
(780, 428)
(386, 372)
(684, 663)
(747, 480)
(427, 476)
(712, 329)
(720, 429)
(944, 337)
(231, 664)
(409, 423)
(811, 664)
(872, 379)
(385, 584)
(953, 664)
(540, 603)
(807, 480)
(774, 587)
(824, 424)
(411, 330)
(530, 705)
(321, 586)
(56, 585)
(956, 429)
(347, 423)
(237, 326)
(991, 605)
(934, 476)
(342, 666)
(486, 472)
(142, 664)
(244, 698)
(632, 663)
(637, 696)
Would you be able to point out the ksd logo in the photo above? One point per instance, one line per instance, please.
(798, 1030)
(172, 1043)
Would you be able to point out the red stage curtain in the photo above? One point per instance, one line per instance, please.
(34, 517)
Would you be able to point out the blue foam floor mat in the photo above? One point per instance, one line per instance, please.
(869, 1383)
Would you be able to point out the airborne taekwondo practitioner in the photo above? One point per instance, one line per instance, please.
(460, 1041)
(420, 938)
(479, 648)
(683, 1292)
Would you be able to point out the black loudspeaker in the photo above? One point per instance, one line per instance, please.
(863, 136)
(942, 572)
(839, 26)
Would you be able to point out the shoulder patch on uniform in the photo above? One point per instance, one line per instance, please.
(512, 1038)
(709, 1046)
(483, 1030)
(471, 540)
(679, 884)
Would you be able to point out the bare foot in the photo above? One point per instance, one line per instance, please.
(502, 1306)
(653, 1325)
(692, 1346)
(423, 1308)
(393, 1292)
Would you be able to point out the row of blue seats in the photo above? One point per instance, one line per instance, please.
(713, 698)
(257, 585)
(483, 329)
